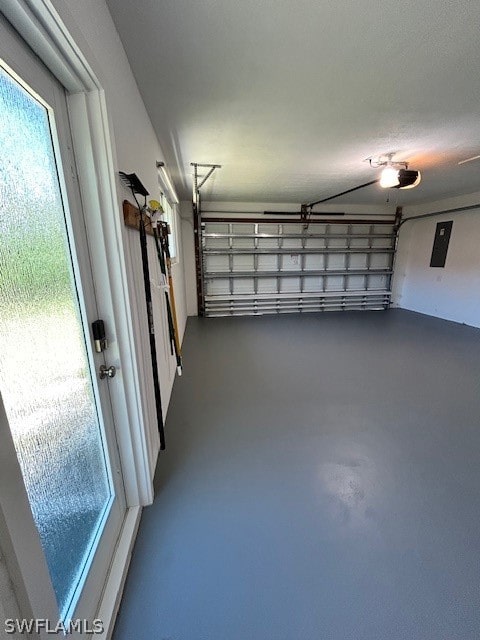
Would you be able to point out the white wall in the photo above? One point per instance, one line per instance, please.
(188, 248)
(251, 210)
(135, 149)
(452, 292)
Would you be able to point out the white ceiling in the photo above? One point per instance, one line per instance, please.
(290, 96)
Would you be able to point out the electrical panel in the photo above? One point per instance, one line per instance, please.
(440, 243)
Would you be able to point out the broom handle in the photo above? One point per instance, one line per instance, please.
(164, 259)
(168, 260)
(153, 349)
(172, 303)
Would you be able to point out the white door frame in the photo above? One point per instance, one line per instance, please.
(42, 28)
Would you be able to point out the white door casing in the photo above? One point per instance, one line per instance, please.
(27, 69)
(41, 27)
(94, 161)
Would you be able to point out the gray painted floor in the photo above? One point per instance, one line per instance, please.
(321, 481)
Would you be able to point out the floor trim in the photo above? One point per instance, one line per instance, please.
(112, 595)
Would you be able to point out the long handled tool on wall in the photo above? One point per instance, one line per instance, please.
(132, 181)
(160, 233)
(168, 261)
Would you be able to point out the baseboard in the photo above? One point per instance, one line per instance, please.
(112, 594)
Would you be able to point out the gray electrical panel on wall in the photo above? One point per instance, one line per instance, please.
(440, 243)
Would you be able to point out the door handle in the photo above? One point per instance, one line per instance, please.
(107, 372)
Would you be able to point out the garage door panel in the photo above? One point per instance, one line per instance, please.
(315, 243)
(268, 229)
(242, 262)
(255, 268)
(361, 229)
(290, 284)
(241, 228)
(267, 243)
(291, 228)
(381, 243)
(292, 243)
(338, 243)
(334, 283)
(216, 263)
(355, 283)
(360, 243)
(267, 285)
(290, 261)
(359, 261)
(267, 263)
(337, 261)
(380, 260)
(217, 287)
(377, 282)
(219, 227)
(312, 283)
(243, 285)
(216, 243)
(242, 243)
(315, 261)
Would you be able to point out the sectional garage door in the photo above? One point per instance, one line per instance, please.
(270, 266)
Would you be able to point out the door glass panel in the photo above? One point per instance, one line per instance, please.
(45, 377)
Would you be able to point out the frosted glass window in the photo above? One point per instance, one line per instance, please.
(44, 372)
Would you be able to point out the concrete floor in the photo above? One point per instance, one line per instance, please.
(321, 481)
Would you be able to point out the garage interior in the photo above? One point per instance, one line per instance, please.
(320, 477)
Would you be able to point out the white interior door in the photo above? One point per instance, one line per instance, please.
(58, 411)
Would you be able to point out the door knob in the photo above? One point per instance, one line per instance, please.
(107, 372)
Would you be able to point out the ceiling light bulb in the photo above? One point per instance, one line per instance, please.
(389, 177)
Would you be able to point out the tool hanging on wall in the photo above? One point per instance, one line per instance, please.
(161, 232)
(132, 181)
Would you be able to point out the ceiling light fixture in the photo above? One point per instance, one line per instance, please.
(408, 179)
(396, 175)
(389, 177)
(165, 179)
